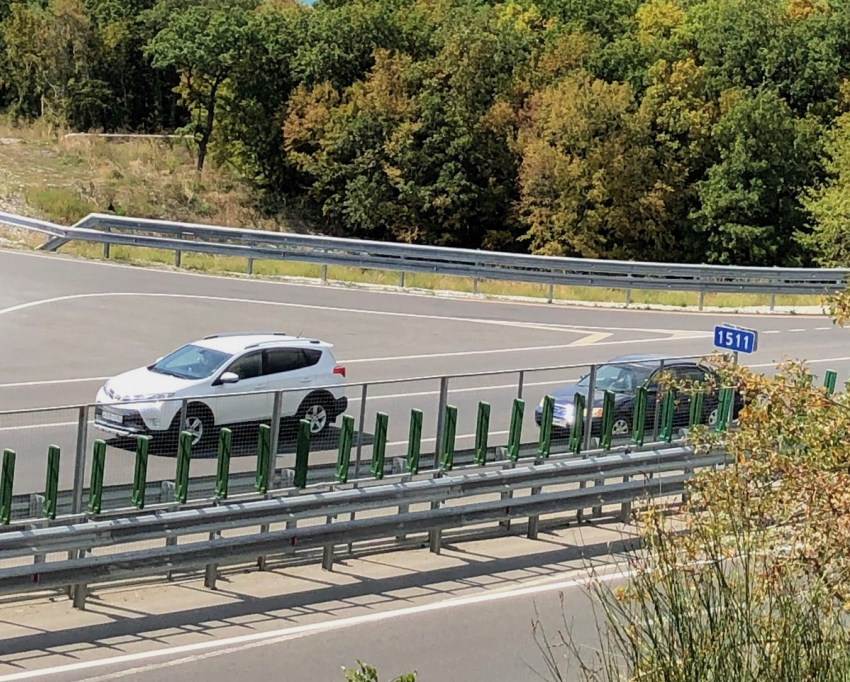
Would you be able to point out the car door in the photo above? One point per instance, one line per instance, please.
(243, 408)
(291, 370)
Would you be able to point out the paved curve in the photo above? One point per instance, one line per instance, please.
(67, 324)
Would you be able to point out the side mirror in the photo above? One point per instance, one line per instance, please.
(228, 378)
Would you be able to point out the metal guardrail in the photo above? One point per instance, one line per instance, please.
(474, 264)
(76, 439)
(647, 474)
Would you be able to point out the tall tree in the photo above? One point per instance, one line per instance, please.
(750, 200)
(204, 42)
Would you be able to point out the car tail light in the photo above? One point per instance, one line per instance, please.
(339, 369)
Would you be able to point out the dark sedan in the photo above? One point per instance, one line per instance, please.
(623, 376)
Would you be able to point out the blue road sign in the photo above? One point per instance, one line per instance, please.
(737, 339)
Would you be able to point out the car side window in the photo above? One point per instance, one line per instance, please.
(284, 360)
(248, 366)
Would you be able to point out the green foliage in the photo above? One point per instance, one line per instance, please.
(689, 130)
(366, 673)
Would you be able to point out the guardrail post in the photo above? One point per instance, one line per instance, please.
(515, 432)
(80, 463)
(447, 447)
(106, 244)
(360, 427)
(249, 266)
(274, 436)
(140, 473)
(51, 483)
(379, 447)
(222, 471)
(701, 302)
(324, 273)
(589, 402)
(639, 417)
(401, 279)
(482, 433)
(184, 456)
(830, 378)
(98, 465)
(577, 431)
(668, 411)
(534, 521)
(343, 455)
(724, 407)
(302, 454)
(544, 444)
(7, 479)
(261, 478)
(414, 442)
(695, 414)
(441, 414)
(607, 432)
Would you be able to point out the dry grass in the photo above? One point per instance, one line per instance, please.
(45, 173)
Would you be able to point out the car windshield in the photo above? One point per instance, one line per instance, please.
(618, 378)
(191, 362)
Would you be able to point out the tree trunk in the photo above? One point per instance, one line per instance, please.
(206, 133)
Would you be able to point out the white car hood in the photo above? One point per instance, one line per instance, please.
(139, 383)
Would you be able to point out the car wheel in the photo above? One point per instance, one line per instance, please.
(199, 423)
(712, 417)
(621, 427)
(316, 410)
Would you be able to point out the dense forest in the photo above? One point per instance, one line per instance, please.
(710, 131)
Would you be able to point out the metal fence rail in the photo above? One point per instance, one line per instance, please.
(477, 265)
(450, 501)
(85, 467)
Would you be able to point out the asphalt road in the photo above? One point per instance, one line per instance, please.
(67, 325)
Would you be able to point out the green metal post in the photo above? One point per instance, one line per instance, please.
(577, 431)
(379, 447)
(302, 454)
(482, 433)
(98, 464)
(695, 416)
(607, 420)
(140, 474)
(830, 377)
(414, 441)
(184, 456)
(7, 478)
(723, 409)
(668, 411)
(261, 478)
(51, 483)
(222, 472)
(544, 444)
(447, 447)
(515, 432)
(639, 418)
(343, 455)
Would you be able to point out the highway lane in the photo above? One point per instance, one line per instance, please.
(464, 614)
(67, 324)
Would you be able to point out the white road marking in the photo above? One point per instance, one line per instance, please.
(50, 382)
(150, 268)
(772, 331)
(358, 311)
(796, 330)
(239, 643)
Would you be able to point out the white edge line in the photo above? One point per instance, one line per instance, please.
(283, 633)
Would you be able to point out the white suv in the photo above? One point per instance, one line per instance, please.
(225, 365)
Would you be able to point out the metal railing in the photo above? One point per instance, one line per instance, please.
(98, 552)
(124, 473)
(476, 265)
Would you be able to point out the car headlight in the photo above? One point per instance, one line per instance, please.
(149, 396)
